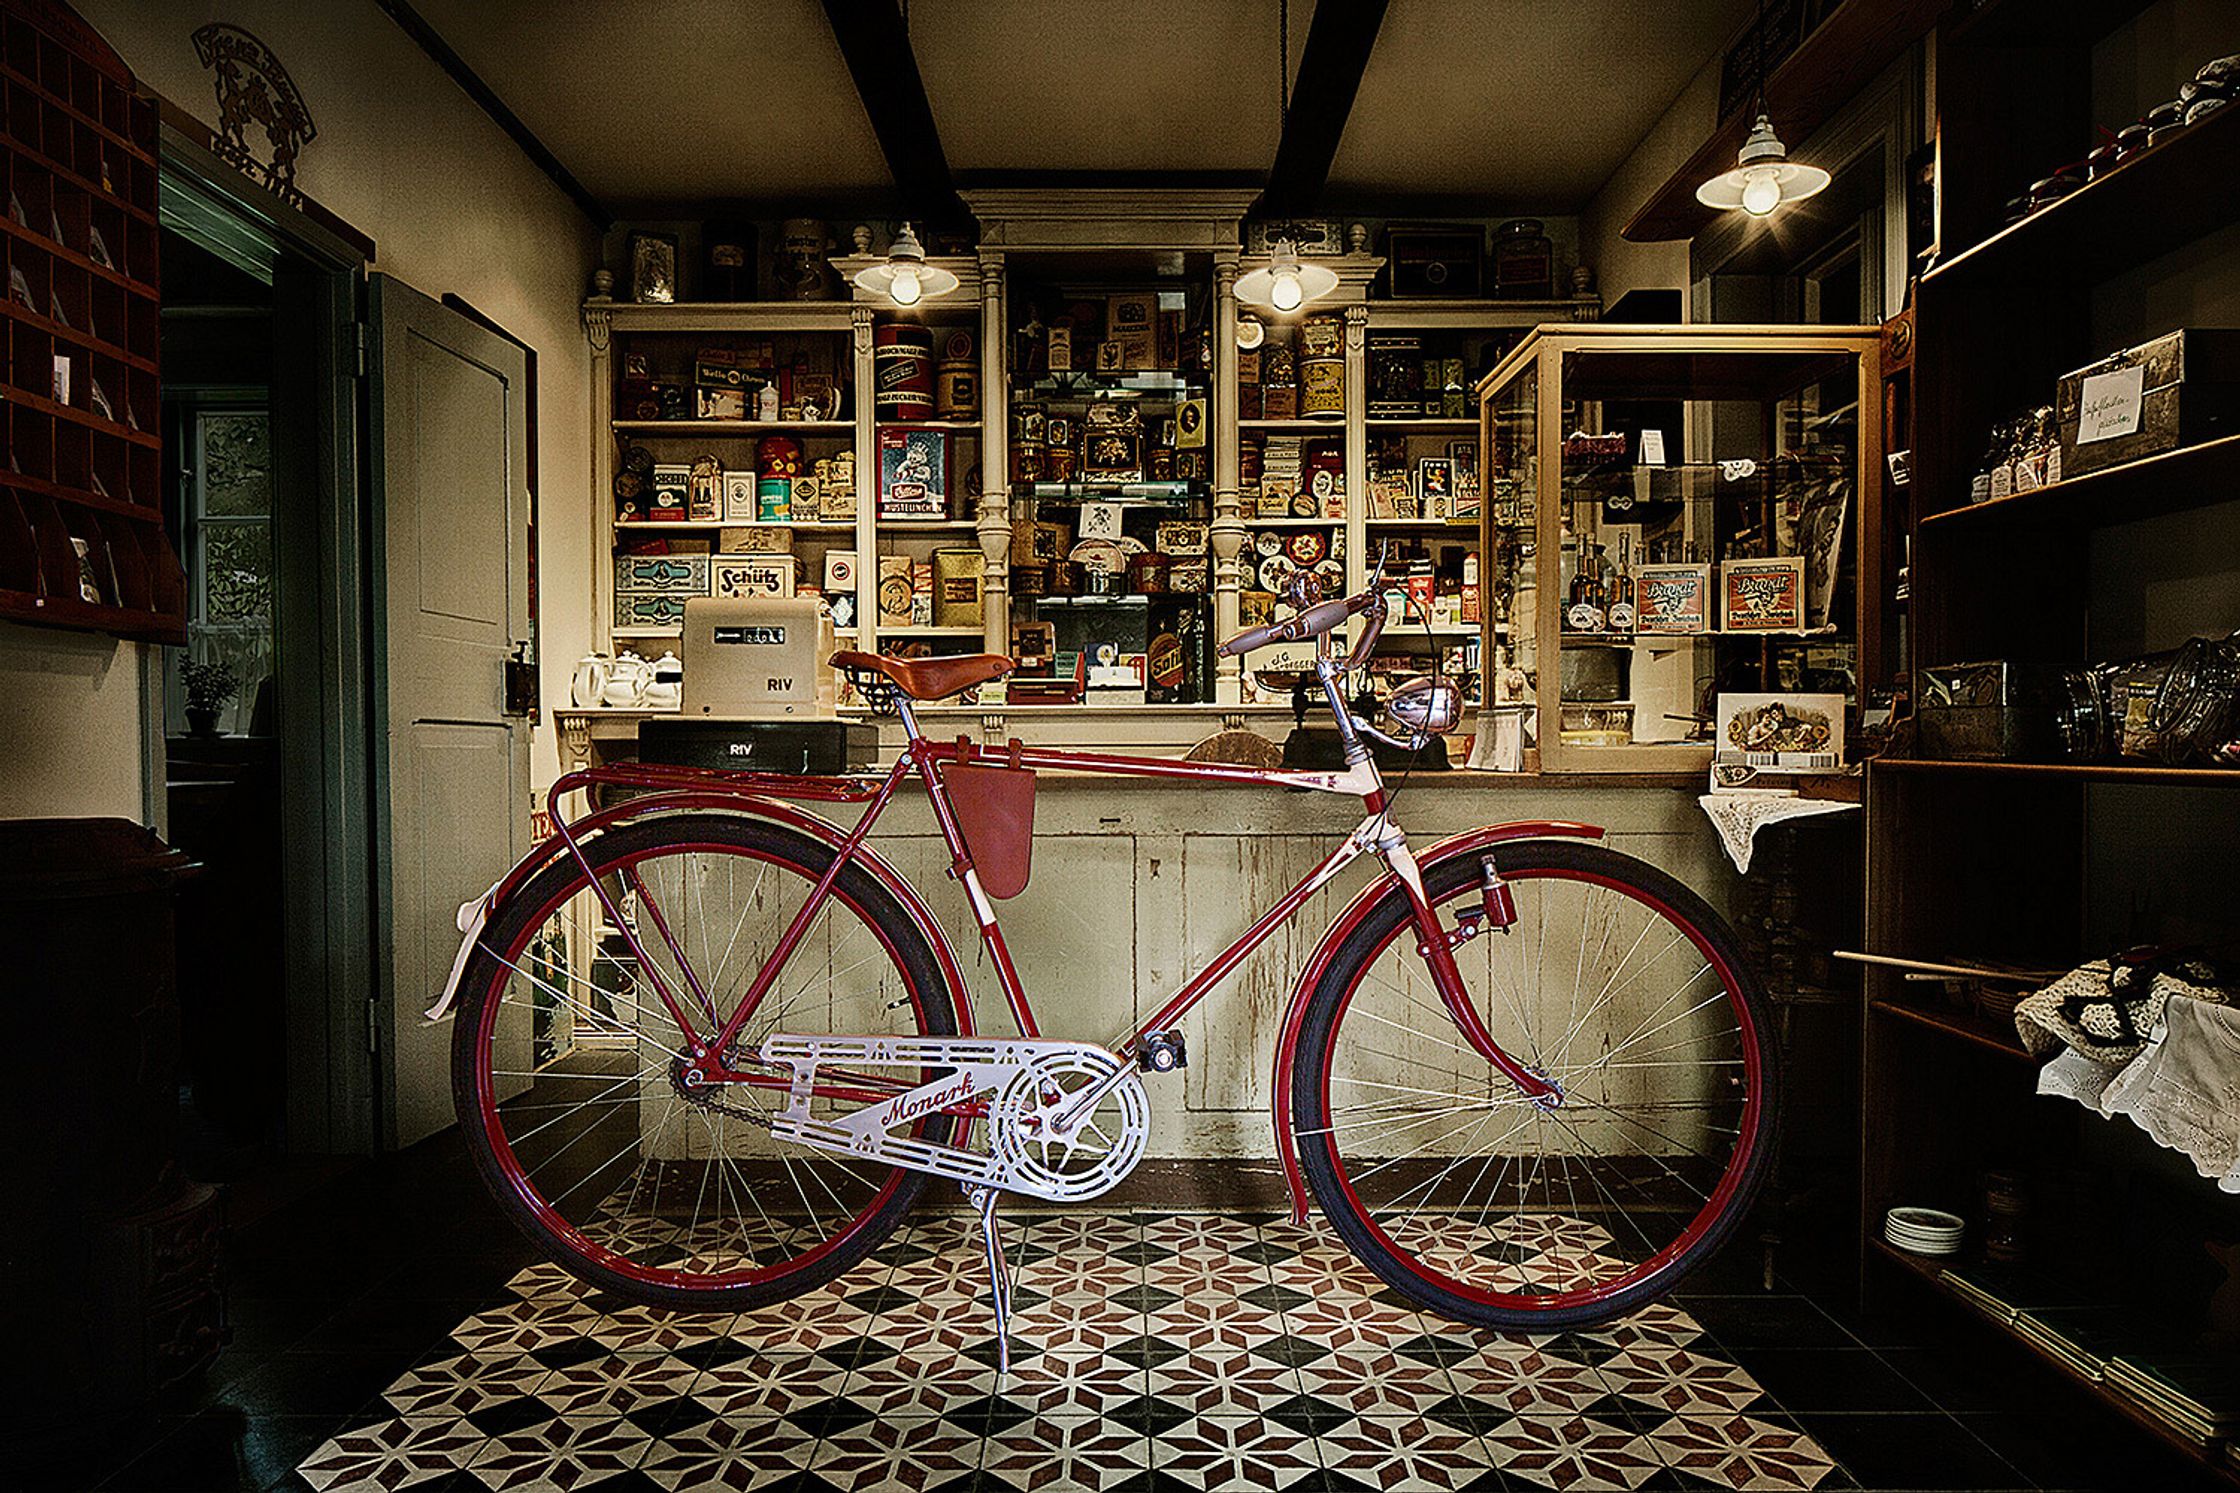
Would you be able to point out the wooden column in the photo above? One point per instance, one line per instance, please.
(1228, 523)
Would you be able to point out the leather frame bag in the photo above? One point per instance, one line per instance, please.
(995, 810)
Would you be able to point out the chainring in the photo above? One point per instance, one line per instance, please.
(1091, 1156)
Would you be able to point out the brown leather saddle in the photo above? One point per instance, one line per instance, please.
(929, 678)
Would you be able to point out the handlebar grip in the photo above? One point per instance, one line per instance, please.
(1311, 623)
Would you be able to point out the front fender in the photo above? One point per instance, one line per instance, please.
(475, 914)
(1454, 847)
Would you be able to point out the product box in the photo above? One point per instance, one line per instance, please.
(1761, 595)
(733, 577)
(671, 481)
(2174, 391)
(634, 609)
(921, 593)
(957, 577)
(738, 497)
(1672, 599)
(1132, 322)
(660, 575)
(894, 590)
(1787, 733)
(913, 473)
(719, 404)
(839, 570)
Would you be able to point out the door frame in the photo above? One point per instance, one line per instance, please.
(324, 593)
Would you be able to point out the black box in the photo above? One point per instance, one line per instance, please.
(822, 748)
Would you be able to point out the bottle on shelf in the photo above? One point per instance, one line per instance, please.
(1585, 612)
(1620, 614)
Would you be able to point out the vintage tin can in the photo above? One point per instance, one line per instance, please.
(902, 372)
(1030, 580)
(1147, 572)
(956, 390)
(774, 499)
(1322, 388)
(957, 577)
(1322, 337)
(1192, 575)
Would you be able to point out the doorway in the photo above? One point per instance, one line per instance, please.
(270, 789)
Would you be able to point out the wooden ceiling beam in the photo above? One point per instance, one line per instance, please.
(876, 45)
(1330, 67)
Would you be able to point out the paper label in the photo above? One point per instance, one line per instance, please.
(2109, 405)
(1652, 448)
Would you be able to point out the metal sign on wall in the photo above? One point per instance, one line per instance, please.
(263, 124)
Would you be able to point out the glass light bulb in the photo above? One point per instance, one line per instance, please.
(905, 289)
(1284, 293)
(1761, 193)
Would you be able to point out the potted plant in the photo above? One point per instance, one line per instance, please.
(210, 684)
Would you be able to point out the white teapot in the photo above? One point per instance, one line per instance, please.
(665, 690)
(588, 685)
(626, 682)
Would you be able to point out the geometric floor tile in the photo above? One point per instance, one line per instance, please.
(1151, 1353)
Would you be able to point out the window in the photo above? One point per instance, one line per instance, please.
(227, 492)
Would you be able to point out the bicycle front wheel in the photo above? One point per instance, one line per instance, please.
(567, 1064)
(1621, 987)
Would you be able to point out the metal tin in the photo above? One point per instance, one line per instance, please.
(774, 499)
(956, 391)
(1322, 337)
(1030, 580)
(1147, 572)
(1322, 388)
(902, 372)
(1190, 575)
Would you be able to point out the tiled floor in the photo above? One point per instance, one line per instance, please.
(393, 1334)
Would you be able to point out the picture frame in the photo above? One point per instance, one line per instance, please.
(653, 268)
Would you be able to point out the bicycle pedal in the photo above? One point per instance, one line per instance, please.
(1162, 1052)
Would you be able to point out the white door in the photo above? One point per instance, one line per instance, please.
(450, 450)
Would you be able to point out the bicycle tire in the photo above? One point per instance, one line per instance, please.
(1528, 1306)
(514, 923)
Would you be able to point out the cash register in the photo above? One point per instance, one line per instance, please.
(760, 692)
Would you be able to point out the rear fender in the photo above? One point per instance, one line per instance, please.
(473, 915)
(1455, 847)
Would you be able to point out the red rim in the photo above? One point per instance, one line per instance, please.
(1707, 1218)
(557, 1227)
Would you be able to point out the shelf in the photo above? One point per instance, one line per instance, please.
(2145, 774)
(1627, 640)
(64, 332)
(961, 427)
(2194, 476)
(928, 525)
(1966, 1026)
(1088, 386)
(930, 632)
(1304, 425)
(1469, 525)
(736, 427)
(648, 632)
(20, 79)
(2151, 204)
(1930, 1271)
(70, 256)
(69, 611)
(1479, 315)
(25, 399)
(1425, 424)
(1292, 523)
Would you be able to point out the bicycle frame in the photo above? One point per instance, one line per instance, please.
(709, 1034)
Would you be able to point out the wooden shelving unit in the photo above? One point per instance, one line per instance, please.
(2039, 864)
(79, 335)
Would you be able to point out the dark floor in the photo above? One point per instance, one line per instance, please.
(367, 1274)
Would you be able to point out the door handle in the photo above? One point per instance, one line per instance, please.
(520, 682)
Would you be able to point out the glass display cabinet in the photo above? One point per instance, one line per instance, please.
(1672, 513)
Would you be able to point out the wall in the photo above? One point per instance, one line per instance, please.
(1621, 266)
(453, 206)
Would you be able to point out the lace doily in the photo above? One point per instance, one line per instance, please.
(1739, 815)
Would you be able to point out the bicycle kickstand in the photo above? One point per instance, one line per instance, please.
(984, 1201)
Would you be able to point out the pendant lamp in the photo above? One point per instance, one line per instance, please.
(1763, 176)
(905, 278)
(1284, 283)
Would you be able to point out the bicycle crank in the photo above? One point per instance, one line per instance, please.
(1029, 1089)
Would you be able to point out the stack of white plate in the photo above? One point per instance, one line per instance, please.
(1923, 1231)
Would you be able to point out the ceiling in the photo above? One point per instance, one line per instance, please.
(662, 104)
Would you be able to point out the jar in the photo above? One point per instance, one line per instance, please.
(1524, 261)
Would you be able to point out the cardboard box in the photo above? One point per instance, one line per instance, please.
(1761, 595)
(1672, 599)
(734, 577)
(738, 497)
(661, 575)
(894, 590)
(957, 579)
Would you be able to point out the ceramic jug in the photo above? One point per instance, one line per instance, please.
(627, 681)
(665, 690)
(588, 685)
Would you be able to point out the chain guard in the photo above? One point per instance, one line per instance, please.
(1028, 1080)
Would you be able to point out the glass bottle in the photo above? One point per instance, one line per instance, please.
(1585, 612)
(1621, 590)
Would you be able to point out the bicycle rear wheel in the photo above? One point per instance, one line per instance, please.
(1628, 992)
(566, 1063)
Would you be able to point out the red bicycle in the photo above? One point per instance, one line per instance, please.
(710, 1045)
